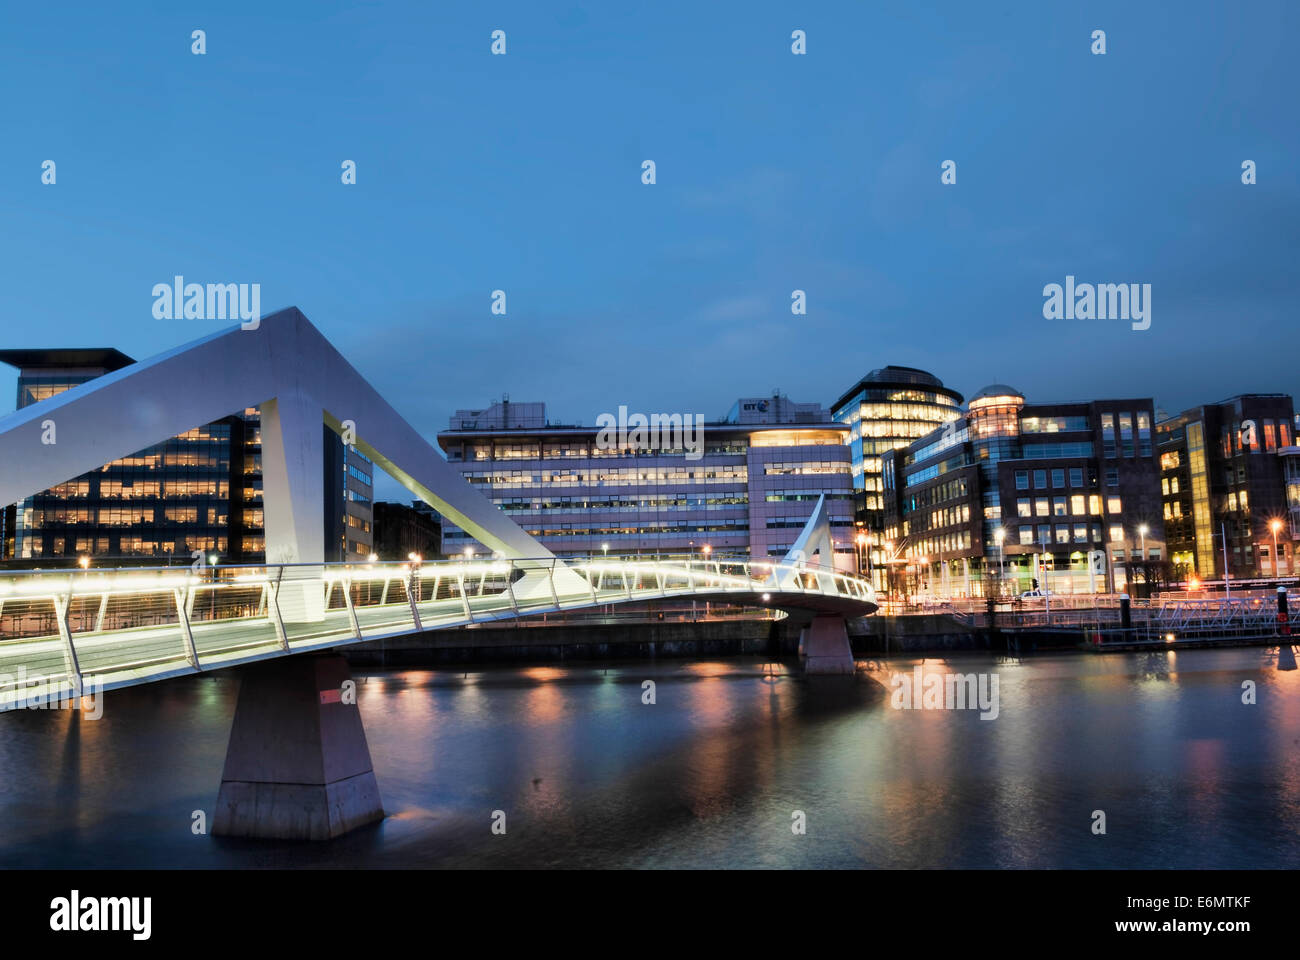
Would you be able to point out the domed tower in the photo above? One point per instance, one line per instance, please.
(993, 420)
(995, 412)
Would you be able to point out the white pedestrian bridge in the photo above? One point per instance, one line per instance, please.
(64, 630)
(298, 765)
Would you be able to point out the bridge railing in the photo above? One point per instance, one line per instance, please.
(145, 623)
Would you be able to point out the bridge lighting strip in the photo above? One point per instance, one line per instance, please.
(125, 584)
(59, 586)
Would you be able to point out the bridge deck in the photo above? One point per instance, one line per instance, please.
(62, 632)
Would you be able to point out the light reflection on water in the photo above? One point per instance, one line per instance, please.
(710, 774)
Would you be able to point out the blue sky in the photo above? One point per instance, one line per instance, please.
(775, 172)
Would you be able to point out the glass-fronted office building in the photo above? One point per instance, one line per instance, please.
(200, 490)
(887, 410)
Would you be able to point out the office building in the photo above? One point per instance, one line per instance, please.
(200, 490)
(887, 410)
(401, 531)
(746, 489)
(1014, 492)
(1225, 482)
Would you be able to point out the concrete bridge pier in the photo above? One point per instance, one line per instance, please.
(298, 766)
(824, 646)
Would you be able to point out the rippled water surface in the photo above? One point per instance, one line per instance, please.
(711, 774)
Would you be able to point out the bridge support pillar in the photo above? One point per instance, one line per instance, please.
(825, 646)
(298, 766)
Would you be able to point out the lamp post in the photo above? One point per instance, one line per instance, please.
(1142, 534)
(1000, 535)
(862, 550)
(1275, 525)
(888, 556)
(212, 606)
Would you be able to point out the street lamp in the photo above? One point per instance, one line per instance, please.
(862, 550)
(707, 550)
(84, 562)
(605, 547)
(1000, 535)
(1275, 525)
(1142, 534)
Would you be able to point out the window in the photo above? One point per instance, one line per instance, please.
(1108, 434)
(1062, 534)
(1023, 508)
(1144, 434)
(1022, 479)
(1056, 451)
(1113, 505)
(1058, 507)
(1044, 533)
(1117, 536)
(1040, 479)
(1078, 504)
(1041, 508)
(1126, 434)
(1058, 479)
(1027, 536)
(1080, 533)
(1076, 476)
(1112, 476)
